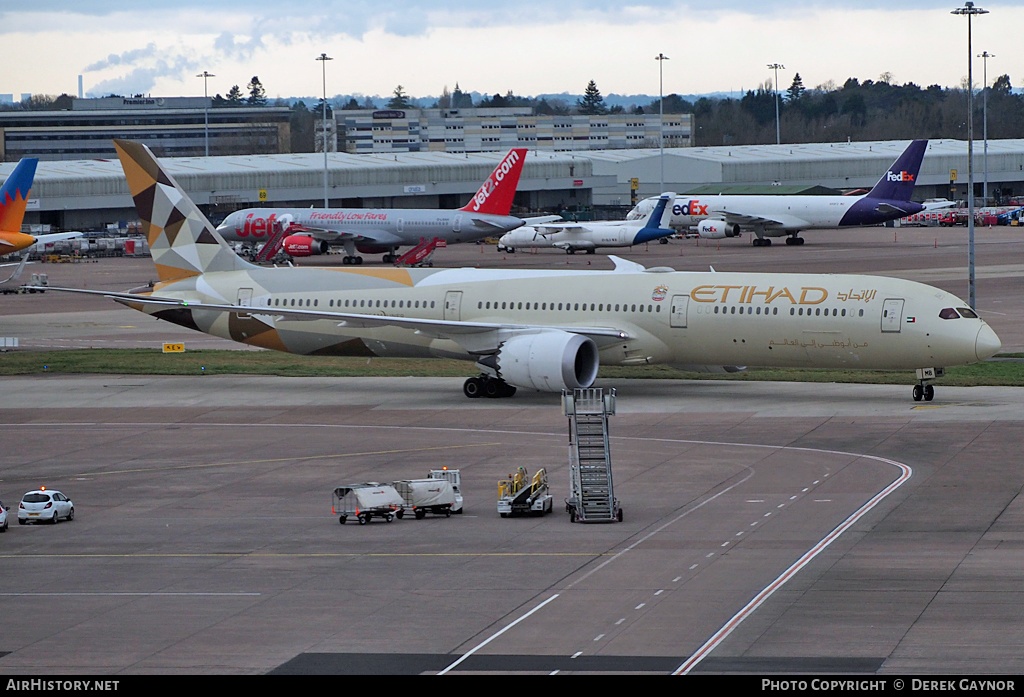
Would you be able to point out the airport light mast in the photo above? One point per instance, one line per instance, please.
(778, 132)
(206, 108)
(985, 55)
(323, 58)
(661, 58)
(970, 10)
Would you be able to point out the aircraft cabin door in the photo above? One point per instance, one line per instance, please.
(457, 225)
(453, 305)
(678, 309)
(244, 299)
(892, 314)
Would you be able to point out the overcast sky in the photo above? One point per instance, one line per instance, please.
(527, 46)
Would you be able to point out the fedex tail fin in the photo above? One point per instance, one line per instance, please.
(182, 241)
(654, 228)
(897, 184)
(495, 196)
(14, 194)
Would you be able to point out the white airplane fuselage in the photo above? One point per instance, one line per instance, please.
(782, 215)
(834, 321)
(375, 229)
(580, 236)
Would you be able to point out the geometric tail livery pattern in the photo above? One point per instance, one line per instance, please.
(182, 241)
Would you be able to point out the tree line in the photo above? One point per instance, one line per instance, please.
(857, 111)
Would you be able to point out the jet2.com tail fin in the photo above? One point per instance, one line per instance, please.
(14, 194)
(897, 184)
(494, 197)
(182, 241)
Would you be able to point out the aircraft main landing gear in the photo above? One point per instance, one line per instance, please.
(794, 240)
(352, 260)
(486, 386)
(762, 242)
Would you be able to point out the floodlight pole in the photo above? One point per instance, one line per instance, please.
(323, 58)
(970, 10)
(778, 130)
(206, 109)
(985, 55)
(661, 58)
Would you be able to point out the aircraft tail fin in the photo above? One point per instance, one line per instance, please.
(897, 184)
(494, 197)
(14, 194)
(654, 227)
(182, 241)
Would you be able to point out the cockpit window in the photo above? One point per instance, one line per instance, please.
(968, 313)
(949, 313)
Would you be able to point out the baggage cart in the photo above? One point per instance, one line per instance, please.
(423, 496)
(366, 501)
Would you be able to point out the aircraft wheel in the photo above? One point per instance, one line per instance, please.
(357, 260)
(591, 251)
(767, 242)
(929, 393)
(473, 388)
(918, 393)
(492, 388)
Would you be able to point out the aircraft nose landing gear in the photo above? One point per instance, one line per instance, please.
(924, 389)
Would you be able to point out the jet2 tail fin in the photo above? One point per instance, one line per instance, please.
(182, 241)
(897, 184)
(494, 197)
(14, 194)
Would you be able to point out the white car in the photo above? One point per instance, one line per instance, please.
(3, 517)
(43, 505)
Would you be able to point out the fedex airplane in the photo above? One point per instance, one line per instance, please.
(589, 236)
(546, 330)
(13, 201)
(311, 231)
(725, 215)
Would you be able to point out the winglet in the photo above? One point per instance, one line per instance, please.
(897, 184)
(625, 265)
(494, 197)
(14, 194)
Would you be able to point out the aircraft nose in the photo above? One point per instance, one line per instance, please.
(987, 343)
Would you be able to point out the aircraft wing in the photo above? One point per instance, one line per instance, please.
(17, 272)
(751, 218)
(889, 208)
(56, 236)
(548, 229)
(540, 219)
(475, 337)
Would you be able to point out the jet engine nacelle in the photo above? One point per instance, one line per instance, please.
(717, 229)
(549, 361)
(304, 246)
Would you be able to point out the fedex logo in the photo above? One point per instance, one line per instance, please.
(903, 176)
(690, 208)
(492, 181)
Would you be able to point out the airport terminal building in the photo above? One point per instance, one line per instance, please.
(88, 194)
(479, 129)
